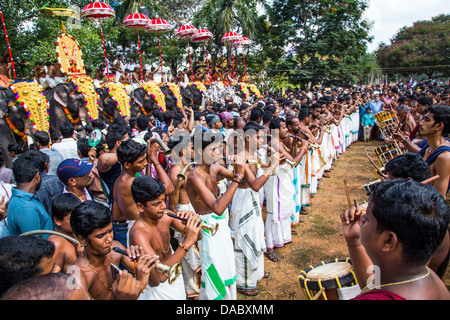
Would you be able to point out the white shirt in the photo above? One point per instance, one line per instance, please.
(67, 148)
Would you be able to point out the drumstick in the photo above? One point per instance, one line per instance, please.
(373, 163)
(346, 191)
(430, 179)
(318, 294)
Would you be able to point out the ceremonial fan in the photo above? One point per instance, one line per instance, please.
(137, 21)
(98, 11)
(186, 31)
(159, 25)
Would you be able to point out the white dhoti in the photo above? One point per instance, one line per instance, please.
(191, 263)
(218, 281)
(279, 192)
(165, 291)
(249, 238)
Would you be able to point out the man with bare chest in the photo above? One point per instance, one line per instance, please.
(218, 267)
(151, 231)
(94, 270)
(133, 157)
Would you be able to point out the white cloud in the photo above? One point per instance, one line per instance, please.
(389, 16)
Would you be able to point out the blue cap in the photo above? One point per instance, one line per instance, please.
(70, 168)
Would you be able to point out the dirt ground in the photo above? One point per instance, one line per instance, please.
(319, 236)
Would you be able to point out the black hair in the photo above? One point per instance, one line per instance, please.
(267, 116)
(130, 150)
(25, 168)
(98, 123)
(409, 165)
(275, 123)
(20, 258)
(303, 113)
(425, 101)
(84, 147)
(142, 122)
(42, 137)
(50, 286)
(67, 129)
(289, 120)
(115, 133)
(252, 125)
(146, 188)
(417, 213)
(14, 147)
(88, 216)
(64, 204)
(441, 114)
(256, 113)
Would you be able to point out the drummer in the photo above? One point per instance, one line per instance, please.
(392, 250)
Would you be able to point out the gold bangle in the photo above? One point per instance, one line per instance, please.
(183, 247)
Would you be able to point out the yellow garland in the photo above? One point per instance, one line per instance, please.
(176, 91)
(200, 86)
(30, 95)
(153, 89)
(85, 85)
(254, 89)
(119, 94)
(244, 89)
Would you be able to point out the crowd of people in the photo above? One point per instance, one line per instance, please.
(239, 179)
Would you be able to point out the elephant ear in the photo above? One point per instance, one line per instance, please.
(3, 103)
(61, 95)
(101, 97)
(188, 93)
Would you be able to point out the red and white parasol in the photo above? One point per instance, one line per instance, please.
(243, 42)
(230, 37)
(201, 36)
(159, 25)
(137, 21)
(186, 31)
(8, 45)
(98, 11)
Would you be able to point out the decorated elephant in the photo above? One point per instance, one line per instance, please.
(172, 96)
(107, 107)
(194, 93)
(146, 98)
(23, 110)
(67, 104)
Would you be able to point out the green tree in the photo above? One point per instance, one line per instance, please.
(421, 48)
(222, 16)
(325, 38)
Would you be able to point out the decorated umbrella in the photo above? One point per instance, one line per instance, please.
(230, 37)
(243, 42)
(97, 11)
(201, 36)
(186, 31)
(8, 45)
(159, 25)
(58, 8)
(137, 21)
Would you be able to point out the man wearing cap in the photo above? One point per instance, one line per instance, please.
(76, 176)
(213, 122)
(228, 123)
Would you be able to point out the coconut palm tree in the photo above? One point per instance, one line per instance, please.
(222, 16)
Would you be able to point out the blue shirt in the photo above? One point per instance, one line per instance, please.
(367, 119)
(26, 213)
(376, 106)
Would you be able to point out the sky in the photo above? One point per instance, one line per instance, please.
(389, 16)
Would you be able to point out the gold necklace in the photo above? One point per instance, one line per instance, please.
(93, 269)
(157, 238)
(365, 289)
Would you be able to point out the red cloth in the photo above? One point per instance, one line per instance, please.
(378, 295)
